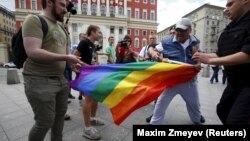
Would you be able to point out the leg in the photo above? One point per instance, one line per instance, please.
(61, 108)
(42, 99)
(86, 110)
(161, 105)
(213, 76)
(89, 131)
(190, 94)
(226, 102)
(224, 77)
(240, 111)
(94, 106)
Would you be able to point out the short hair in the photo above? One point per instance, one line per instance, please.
(92, 28)
(44, 3)
(81, 34)
(110, 37)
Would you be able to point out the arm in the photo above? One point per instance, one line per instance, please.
(110, 59)
(78, 54)
(155, 54)
(234, 59)
(34, 51)
(33, 43)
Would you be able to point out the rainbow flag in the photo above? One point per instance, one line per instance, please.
(127, 87)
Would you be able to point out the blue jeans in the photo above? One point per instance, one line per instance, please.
(188, 91)
(215, 74)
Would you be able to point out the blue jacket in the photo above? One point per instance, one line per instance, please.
(173, 50)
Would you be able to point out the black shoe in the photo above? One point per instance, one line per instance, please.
(79, 97)
(71, 96)
(66, 117)
(202, 120)
(149, 118)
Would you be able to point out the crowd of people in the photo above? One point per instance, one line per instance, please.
(50, 63)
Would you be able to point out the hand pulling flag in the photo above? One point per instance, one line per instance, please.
(126, 87)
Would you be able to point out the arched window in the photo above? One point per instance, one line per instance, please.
(93, 9)
(103, 10)
(22, 4)
(120, 11)
(112, 11)
(33, 5)
(84, 8)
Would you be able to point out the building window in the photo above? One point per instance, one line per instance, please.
(152, 1)
(129, 13)
(34, 7)
(145, 1)
(103, 10)
(23, 4)
(112, 11)
(112, 30)
(137, 0)
(152, 15)
(136, 42)
(136, 32)
(144, 42)
(144, 32)
(84, 8)
(144, 16)
(74, 27)
(120, 11)
(129, 32)
(93, 9)
(137, 14)
(75, 39)
(121, 30)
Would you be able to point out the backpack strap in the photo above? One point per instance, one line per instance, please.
(44, 25)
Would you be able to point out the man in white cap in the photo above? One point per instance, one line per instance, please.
(179, 47)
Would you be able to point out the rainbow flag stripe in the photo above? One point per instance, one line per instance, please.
(127, 87)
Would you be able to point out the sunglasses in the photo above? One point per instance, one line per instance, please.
(180, 30)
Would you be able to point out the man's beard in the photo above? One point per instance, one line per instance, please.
(57, 16)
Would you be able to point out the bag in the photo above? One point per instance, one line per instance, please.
(18, 52)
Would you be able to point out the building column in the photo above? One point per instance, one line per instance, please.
(116, 8)
(107, 7)
(79, 8)
(116, 33)
(98, 8)
(125, 30)
(125, 8)
(89, 7)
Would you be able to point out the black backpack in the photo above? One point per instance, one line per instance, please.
(18, 52)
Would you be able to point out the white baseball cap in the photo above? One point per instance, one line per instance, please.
(183, 23)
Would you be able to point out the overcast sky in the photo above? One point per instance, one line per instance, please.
(169, 11)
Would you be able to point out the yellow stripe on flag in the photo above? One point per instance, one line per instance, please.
(125, 87)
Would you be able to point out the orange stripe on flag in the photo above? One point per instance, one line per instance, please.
(149, 89)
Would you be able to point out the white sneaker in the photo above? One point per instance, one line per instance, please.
(91, 133)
